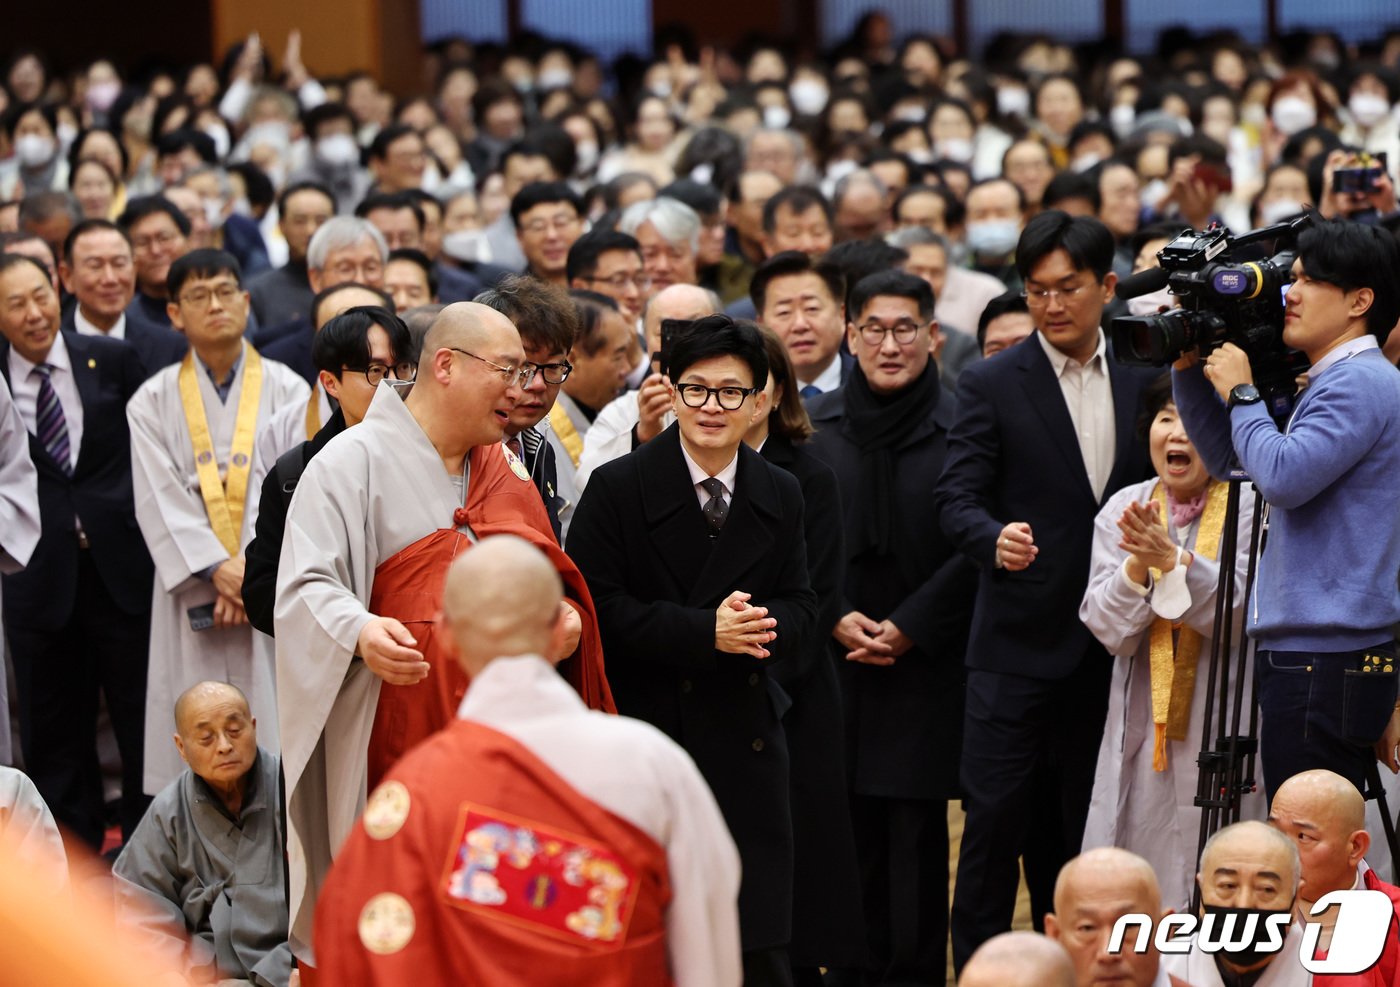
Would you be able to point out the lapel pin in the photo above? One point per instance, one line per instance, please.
(92, 364)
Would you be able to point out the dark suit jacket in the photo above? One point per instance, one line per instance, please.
(107, 372)
(904, 721)
(289, 345)
(156, 346)
(1014, 456)
(657, 577)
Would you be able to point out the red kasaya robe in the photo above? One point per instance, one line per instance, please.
(1386, 972)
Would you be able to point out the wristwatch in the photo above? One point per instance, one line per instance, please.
(1244, 394)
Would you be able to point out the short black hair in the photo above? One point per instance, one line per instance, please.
(1072, 185)
(343, 342)
(47, 110)
(589, 307)
(394, 201)
(203, 263)
(788, 263)
(313, 119)
(88, 226)
(900, 284)
(296, 187)
(614, 189)
(1155, 396)
(1207, 149)
(858, 259)
(523, 148)
(142, 206)
(704, 199)
(584, 254)
(196, 140)
(797, 199)
(320, 297)
(1351, 256)
(953, 210)
(1012, 301)
(75, 151)
(720, 335)
(1087, 241)
(420, 259)
(997, 180)
(8, 260)
(539, 193)
(544, 314)
(258, 186)
(379, 147)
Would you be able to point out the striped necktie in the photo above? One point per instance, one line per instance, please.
(52, 427)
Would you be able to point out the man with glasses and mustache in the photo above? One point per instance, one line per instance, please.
(378, 515)
(695, 551)
(1044, 434)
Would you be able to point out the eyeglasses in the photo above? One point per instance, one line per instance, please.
(376, 372)
(159, 240)
(199, 297)
(1042, 296)
(729, 398)
(904, 331)
(619, 282)
(560, 222)
(553, 373)
(512, 375)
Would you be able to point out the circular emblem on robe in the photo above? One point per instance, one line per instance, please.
(516, 466)
(386, 924)
(205, 457)
(240, 459)
(387, 810)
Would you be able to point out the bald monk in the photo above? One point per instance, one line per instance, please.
(578, 849)
(1018, 959)
(374, 524)
(1092, 892)
(1326, 816)
(202, 878)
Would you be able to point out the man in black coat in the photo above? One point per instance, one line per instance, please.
(693, 547)
(900, 637)
(1044, 435)
(78, 617)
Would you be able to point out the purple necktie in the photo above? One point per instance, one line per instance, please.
(52, 427)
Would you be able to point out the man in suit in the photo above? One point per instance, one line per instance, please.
(78, 616)
(697, 600)
(160, 235)
(804, 302)
(1044, 434)
(98, 269)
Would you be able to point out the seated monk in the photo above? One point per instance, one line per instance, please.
(1093, 891)
(203, 876)
(1018, 959)
(578, 848)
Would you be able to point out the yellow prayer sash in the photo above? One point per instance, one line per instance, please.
(223, 499)
(313, 412)
(1175, 648)
(564, 428)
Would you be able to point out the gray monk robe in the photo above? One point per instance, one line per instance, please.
(205, 889)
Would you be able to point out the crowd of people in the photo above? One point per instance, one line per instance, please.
(585, 525)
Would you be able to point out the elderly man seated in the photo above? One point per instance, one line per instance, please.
(1246, 869)
(1093, 891)
(1018, 959)
(1326, 816)
(203, 875)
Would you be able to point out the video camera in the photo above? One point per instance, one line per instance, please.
(1226, 297)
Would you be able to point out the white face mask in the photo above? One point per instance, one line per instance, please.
(776, 117)
(1152, 302)
(911, 114)
(808, 96)
(269, 132)
(838, 170)
(338, 150)
(34, 150)
(953, 149)
(1013, 101)
(1084, 162)
(661, 89)
(1253, 114)
(921, 155)
(468, 246)
(559, 78)
(993, 237)
(587, 153)
(1368, 109)
(102, 95)
(1292, 114)
(1154, 192)
(1279, 210)
(67, 134)
(523, 84)
(219, 136)
(1121, 118)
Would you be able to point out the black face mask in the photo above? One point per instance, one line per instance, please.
(1228, 925)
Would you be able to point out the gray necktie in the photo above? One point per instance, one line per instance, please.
(715, 509)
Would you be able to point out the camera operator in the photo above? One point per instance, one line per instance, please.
(1364, 192)
(1325, 594)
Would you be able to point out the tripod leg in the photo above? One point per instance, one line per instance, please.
(1377, 791)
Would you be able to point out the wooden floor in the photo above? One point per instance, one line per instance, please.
(1022, 919)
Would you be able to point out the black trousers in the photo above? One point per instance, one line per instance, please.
(59, 675)
(1029, 751)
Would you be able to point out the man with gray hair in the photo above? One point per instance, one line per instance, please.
(669, 233)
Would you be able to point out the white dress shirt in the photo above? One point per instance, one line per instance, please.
(724, 476)
(1346, 351)
(24, 386)
(1089, 398)
(828, 380)
(86, 328)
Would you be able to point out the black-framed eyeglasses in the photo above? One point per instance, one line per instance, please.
(904, 331)
(553, 373)
(729, 398)
(512, 375)
(375, 372)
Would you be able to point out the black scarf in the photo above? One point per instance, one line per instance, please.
(876, 423)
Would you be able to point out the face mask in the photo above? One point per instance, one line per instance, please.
(1253, 114)
(220, 138)
(1266, 940)
(270, 132)
(838, 170)
(101, 95)
(1121, 118)
(587, 156)
(1151, 304)
(776, 117)
(1292, 114)
(702, 174)
(921, 155)
(1084, 162)
(1368, 109)
(1154, 192)
(67, 134)
(661, 89)
(468, 246)
(34, 150)
(808, 96)
(994, 237)
(338, 150)
(1013, 101)
(911, 114)
(524, 84)
(953, 149)
(559, 78)
(1279, 210)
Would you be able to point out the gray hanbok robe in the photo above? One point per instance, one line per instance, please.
(175, 524)
(19, 522)
(206, 891)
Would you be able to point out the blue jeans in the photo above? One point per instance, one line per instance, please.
(1323, 710)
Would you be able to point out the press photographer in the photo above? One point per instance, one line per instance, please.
(1325, 595)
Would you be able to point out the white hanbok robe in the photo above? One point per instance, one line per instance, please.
(27, 829)
(371, 492)
(175, 524)
(19, 522)
(1198, 969)
(1153, 813)
(287, 428)
(610, 435)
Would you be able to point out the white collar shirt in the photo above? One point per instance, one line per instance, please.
(24, 386)
(698, 475)
(1088, 395)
